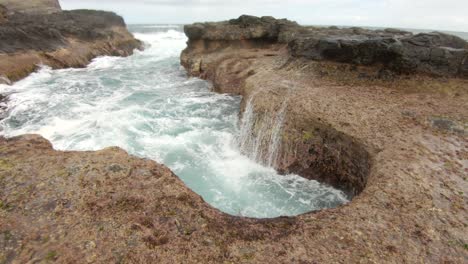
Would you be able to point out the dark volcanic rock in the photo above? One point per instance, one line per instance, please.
(436, 39)
(434, 53)
(59, 39)
(242, 28)
(400, 51)
(48, 32)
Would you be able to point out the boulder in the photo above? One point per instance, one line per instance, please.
(434, 53)
(243, 28)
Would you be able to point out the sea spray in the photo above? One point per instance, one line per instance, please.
(260, 135)
(276, 136)
(147, 105)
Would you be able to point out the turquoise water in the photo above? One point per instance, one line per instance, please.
(148, 106)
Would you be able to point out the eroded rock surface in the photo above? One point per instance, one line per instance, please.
(107, 206)
(434, 53)
(390, 139)
(375, 113)
(59, 39)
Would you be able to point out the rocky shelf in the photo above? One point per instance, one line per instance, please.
(435, 53)
(373, 112)
(393, 138)
(60, 39)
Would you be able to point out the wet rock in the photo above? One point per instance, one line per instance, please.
(4, 80)
(3, 107)
(355, 119)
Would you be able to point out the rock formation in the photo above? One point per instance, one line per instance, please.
(59, 39)
(396, 142)
(434, 53)
(32, 6)
(374, 113)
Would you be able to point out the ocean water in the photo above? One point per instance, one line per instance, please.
(147, 105)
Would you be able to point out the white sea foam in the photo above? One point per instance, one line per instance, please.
(146, 104)
(161, 26)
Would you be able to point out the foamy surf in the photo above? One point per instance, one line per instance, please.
(146, 104)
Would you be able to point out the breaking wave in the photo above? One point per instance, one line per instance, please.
(147, 105)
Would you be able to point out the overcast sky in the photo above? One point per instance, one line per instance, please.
(424, 14)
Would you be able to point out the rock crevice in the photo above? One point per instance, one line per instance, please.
(394, 134)
(359, 108)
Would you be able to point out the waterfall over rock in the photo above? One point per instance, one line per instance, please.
(260, 136)
(146, 105)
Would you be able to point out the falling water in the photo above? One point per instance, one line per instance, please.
(261, 133)
(147, 105)
(260, 136)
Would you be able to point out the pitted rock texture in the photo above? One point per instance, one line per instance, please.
(108, 206)
(397, 142)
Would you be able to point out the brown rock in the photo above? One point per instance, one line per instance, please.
(408, 174)
(344, 126)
